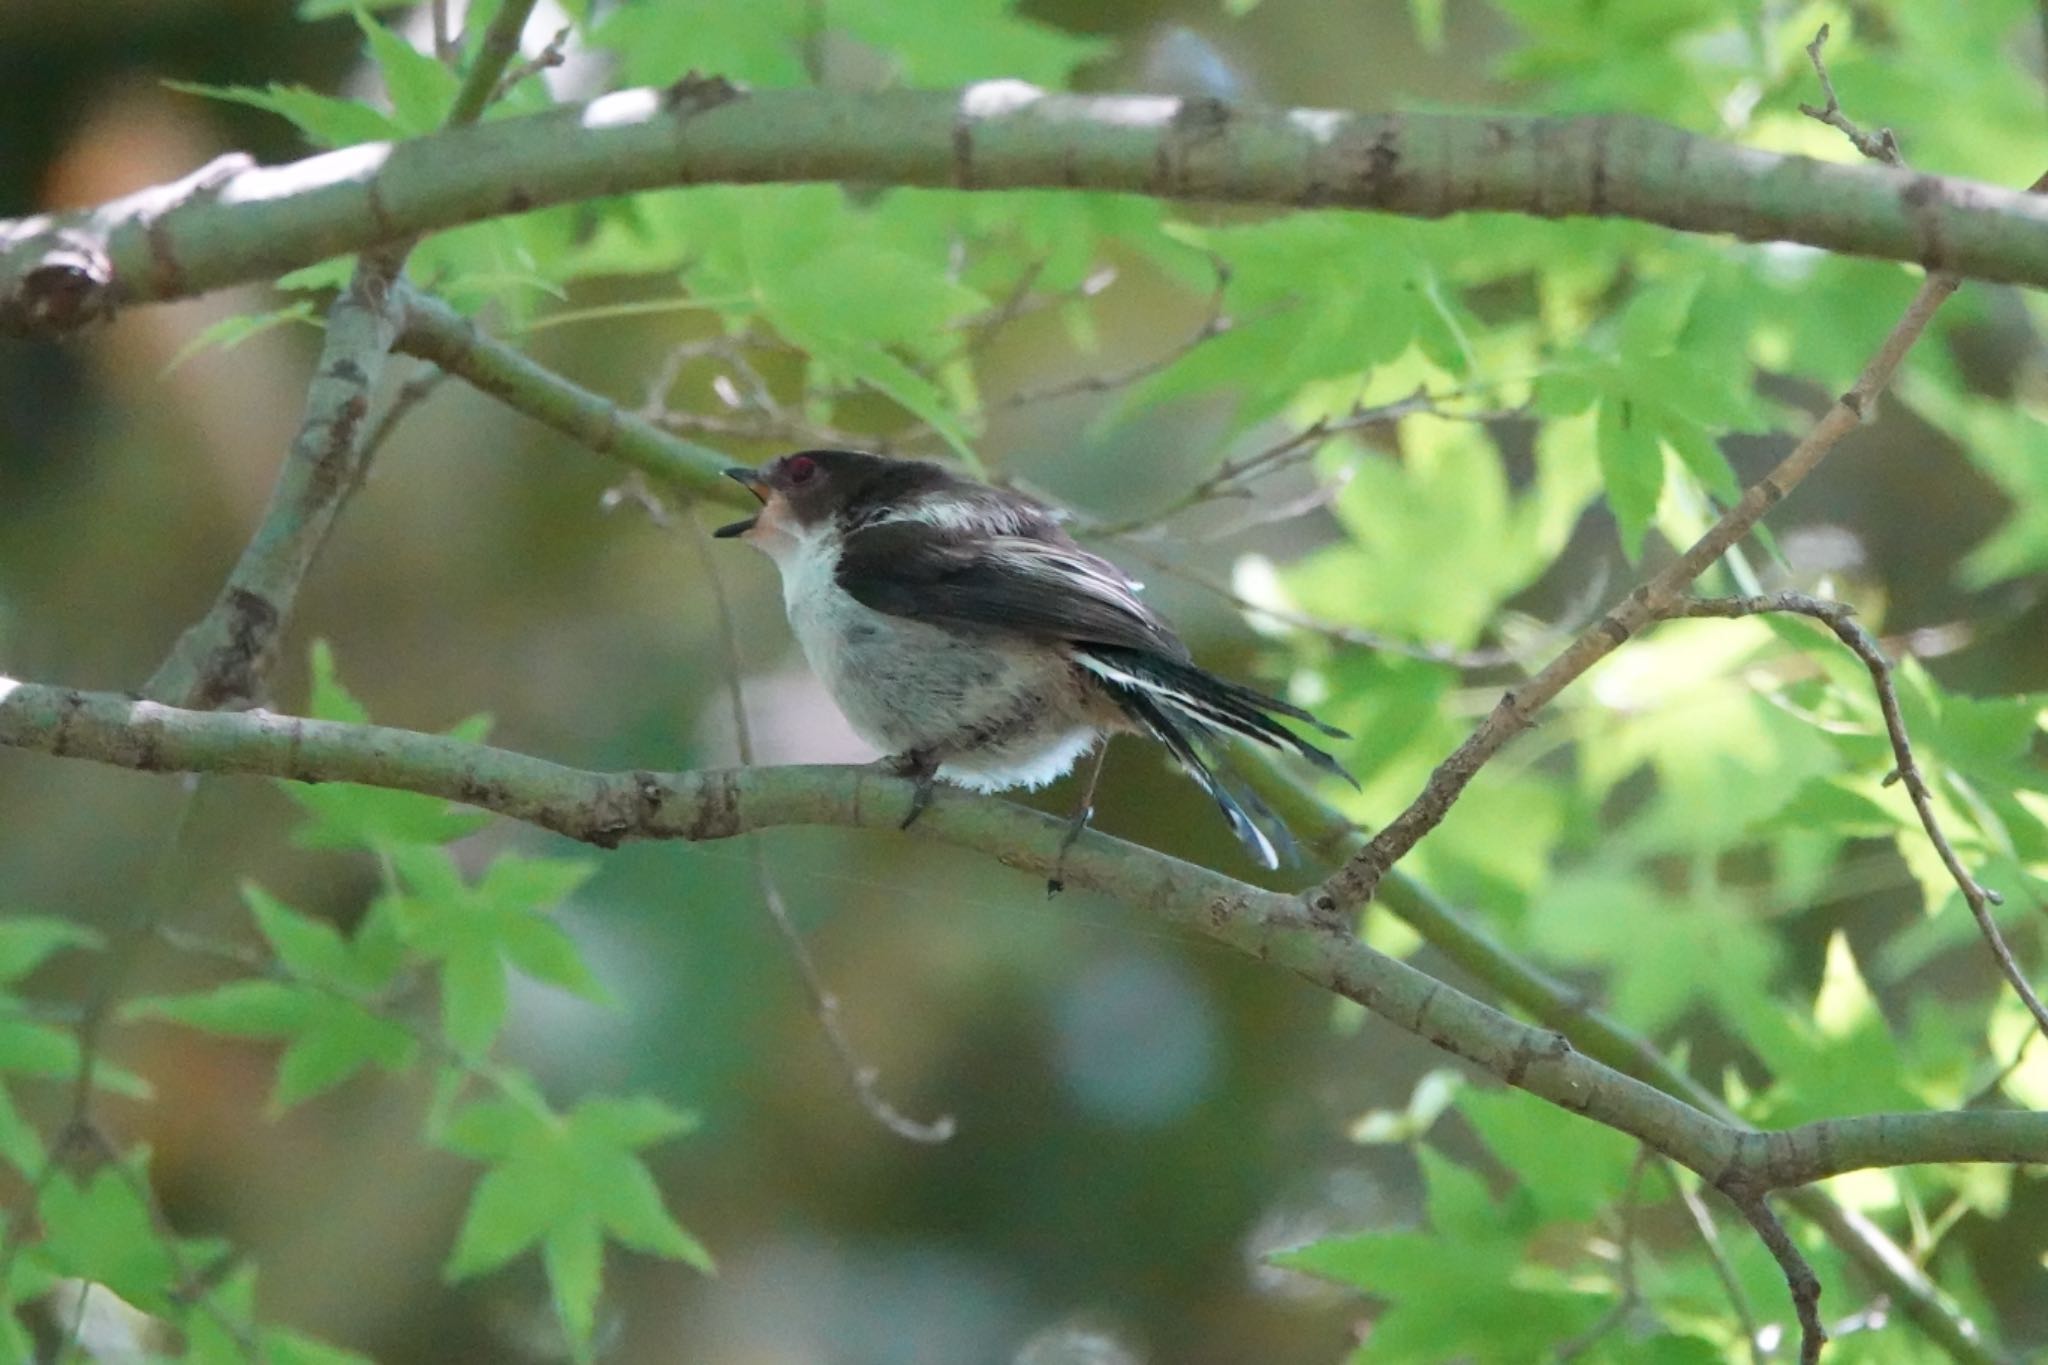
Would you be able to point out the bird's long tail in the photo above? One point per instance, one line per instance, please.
(1184, 706)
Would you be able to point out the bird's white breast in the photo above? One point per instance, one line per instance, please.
(906, 684)
(823, 615)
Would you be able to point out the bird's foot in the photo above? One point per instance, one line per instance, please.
(922, 769)
(1057, 882)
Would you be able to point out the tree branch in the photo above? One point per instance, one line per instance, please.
(435, 332)
(1879, 146)
(1799, 1276)
(607, 808)
(256, 223)
(499, 46)
(221, 659)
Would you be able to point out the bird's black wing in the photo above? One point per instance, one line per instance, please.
(1040, 586)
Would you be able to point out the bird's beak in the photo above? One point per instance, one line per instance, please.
(749, 479)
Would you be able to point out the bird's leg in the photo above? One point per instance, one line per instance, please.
(1057, 882)
(922, 767)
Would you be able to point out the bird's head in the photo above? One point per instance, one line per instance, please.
(813, 492)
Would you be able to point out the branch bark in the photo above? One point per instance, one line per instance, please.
(255, 223)
(222, 658)
(608, 808)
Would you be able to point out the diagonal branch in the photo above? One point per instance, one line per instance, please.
(435, 332)
(222, 658)
(1799, 1276)
(257, 223)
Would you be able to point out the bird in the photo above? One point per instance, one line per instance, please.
(966, 635)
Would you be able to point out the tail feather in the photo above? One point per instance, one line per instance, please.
(1210, 701)
(1260, 814)
(1162, 725)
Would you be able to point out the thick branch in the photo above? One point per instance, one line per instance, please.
(256, 223)
(606, 808)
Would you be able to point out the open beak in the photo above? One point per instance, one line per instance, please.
(749, 479)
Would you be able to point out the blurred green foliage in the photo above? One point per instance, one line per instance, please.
(1689, 836)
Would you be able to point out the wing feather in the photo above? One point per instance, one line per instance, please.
(1044, 587)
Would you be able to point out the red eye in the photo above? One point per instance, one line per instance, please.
(801, 469)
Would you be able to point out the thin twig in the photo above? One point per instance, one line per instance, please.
(1883, 147)
(1315, 625)
(745, 391)
(1630, 1297)
(494, 54)
(864, 1075)
(413, 392)
(1234, 478)
(1984, 1093)
(446, 49)
(1799, 1276)
(1837, 617)
(1702, 1219)
(1215, 322)
(1878, 146)
(548, 58)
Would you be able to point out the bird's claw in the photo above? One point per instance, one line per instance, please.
(920, 769)
(1057, 882)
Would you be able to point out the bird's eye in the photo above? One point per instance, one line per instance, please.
(802, 469)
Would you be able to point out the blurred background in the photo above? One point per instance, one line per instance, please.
(1141, 1115)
